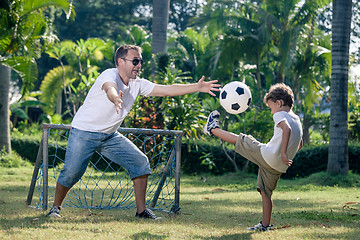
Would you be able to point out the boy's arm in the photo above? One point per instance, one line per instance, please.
(286, 130)
(300, 145)
(182, 89)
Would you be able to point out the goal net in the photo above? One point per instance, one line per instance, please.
(105, 184)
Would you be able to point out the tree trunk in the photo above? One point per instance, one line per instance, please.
(306, 127)
(338, 162)
(159, 26)
(4, 108)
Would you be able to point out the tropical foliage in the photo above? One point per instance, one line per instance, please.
(26, 30)
(257, 42)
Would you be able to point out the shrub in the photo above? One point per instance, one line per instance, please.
(11, 161)
(193, 155)
(314, 159)
(26, 146)
(208, 157)
(306, 162)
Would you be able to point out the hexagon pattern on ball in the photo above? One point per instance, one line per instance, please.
(235, 97)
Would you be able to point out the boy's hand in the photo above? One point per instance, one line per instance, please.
(286, 160)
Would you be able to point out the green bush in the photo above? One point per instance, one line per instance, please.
(204, 157)
(27, 147)
(11, 161)
(208, 157)
(314, 159)
(306, 162)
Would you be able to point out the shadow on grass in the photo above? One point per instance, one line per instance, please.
(353, 235)
(147, 235)
(204, 211)
(239, 236)
(208, 210)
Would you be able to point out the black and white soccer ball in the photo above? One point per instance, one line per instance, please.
(235, 97)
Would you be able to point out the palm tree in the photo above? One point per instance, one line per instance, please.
(4, 108)
(239, 34)
(159, 26)
(338, 161)
(24, 30)
(187, 48)
(286, 21)
(74, 79)
(310, 73)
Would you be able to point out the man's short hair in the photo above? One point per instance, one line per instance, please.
(280, 91)
(123, 50)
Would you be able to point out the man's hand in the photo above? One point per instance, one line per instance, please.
(182, 89)
(208, 87)
(118, 102)
(113, 95)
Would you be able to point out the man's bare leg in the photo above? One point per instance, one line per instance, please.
(140, 184)
(60, 194)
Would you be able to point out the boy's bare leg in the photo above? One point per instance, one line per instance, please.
(267, 209)
(60, 194)
(225, 135)
(140, 184)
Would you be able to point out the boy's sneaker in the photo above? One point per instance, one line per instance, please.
(212, 122)
(147, 213)
(261, 227)
(54, 212)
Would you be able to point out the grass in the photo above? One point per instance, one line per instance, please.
(212, 207)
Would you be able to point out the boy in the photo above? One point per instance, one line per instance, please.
(274, 157)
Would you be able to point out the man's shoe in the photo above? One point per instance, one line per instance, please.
(261, 227)
(148, 214)
(54, 212)
(212, 122)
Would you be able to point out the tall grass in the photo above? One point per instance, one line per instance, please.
(212, 207)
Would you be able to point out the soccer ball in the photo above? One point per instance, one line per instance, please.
(235, 97)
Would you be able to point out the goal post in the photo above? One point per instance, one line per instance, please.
(105, 184)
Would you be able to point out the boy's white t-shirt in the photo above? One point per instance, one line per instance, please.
(271, 151)
(98, 113)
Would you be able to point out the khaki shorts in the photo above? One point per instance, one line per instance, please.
(248, 147)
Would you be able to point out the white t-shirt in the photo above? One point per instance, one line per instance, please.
(271, 151)
(98, 113)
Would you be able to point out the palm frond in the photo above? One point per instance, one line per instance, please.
(26, 68)
(53, 84)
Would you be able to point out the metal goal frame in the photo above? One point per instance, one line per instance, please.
(43, 159)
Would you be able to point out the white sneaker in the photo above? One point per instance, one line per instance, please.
(261, 227)
(212, 122)
(54, 212)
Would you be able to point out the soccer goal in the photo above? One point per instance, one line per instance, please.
(106, 185)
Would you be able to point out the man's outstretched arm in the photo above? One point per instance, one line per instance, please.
(182, 89)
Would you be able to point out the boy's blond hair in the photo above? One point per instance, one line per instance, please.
(280, 91)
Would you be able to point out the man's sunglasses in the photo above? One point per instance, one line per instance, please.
(135, 61)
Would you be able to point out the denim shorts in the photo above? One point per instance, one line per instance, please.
(119, 149)
(248, 147)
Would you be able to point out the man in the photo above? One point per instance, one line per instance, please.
(95, 125)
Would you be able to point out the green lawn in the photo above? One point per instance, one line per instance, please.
(212, 207)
